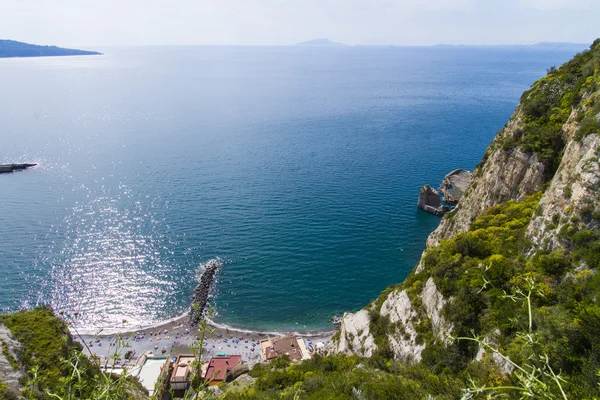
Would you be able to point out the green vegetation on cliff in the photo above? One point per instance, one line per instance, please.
(548, 104)
(345, 377)
(55, 367)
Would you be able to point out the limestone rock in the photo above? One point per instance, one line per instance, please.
(429, 200)
(355, 336)
(505, 366)
(575, 187)
(399, 309)
(454, 185)
(9, 375)
(420, 267)
(433, 301)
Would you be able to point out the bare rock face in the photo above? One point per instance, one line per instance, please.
(434, 302)
(355, 336)
(505, 366)
(430, 201)
(574, 191)
(10, 376)
(454, 185)
(400, 311)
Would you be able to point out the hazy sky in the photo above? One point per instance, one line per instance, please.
(275, 22)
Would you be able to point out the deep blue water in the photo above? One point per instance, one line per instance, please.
(299, 167)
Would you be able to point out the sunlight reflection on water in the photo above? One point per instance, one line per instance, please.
(111, 266)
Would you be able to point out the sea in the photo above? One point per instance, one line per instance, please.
(297, 167)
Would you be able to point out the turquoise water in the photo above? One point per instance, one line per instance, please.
(299, 167)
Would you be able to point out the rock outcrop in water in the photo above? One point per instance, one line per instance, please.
(202, 291)
(454, 185)
(429, 200)
(4, 168)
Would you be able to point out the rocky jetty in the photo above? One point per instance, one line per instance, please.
(454, 185)
(203, 290)
(430, 201)
(5, 168)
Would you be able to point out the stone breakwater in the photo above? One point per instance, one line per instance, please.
(203, 289)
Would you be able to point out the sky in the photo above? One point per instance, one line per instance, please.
(283, 22)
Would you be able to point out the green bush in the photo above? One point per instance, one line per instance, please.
(56, 366)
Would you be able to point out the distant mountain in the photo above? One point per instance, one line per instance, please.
(320, 42)
(12, 48)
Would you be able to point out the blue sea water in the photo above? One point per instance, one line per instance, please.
(298, 167)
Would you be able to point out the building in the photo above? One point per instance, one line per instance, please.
(291, 346)
(224, 369)
(149, 370)
(182, 369)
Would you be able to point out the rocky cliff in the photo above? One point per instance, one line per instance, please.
(504, 174)
(573, 195)
(11, 374)
(430, 201)
(536, 191)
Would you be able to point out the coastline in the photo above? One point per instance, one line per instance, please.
(184, 319)
(175, 336)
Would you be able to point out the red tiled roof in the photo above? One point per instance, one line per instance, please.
(287, 345)
(218, 367)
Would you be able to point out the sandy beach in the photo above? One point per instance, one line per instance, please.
(176, 336)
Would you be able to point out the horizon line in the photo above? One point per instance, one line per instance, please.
(340, 45)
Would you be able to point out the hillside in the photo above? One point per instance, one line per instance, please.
(40, 360)
(505, 297)
(11, 48)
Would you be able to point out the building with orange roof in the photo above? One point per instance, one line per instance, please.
(224, 368)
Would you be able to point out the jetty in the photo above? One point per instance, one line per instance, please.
(6, 168)
(203, 289)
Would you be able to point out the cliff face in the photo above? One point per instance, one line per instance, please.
(574, 190)
(355, 336)
(11, 374)
(504, 175)
(537, 189)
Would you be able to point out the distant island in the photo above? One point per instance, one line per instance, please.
(320, 42)
(12, 48)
